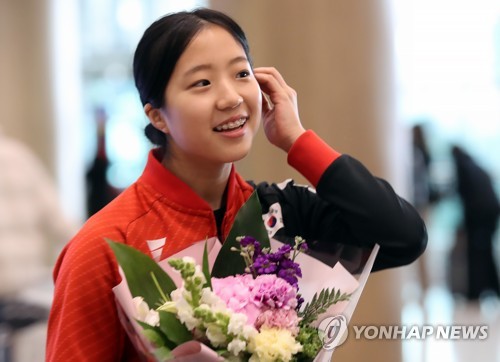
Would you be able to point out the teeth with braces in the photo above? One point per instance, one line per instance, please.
(231, 125)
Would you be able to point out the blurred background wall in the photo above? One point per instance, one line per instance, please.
(27, 103)
(366, 72)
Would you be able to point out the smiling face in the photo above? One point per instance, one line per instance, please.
(212, 101)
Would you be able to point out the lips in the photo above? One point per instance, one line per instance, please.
(231, 124)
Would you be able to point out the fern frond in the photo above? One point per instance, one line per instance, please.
(320, 303)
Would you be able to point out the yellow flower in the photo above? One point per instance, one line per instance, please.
(273, 344)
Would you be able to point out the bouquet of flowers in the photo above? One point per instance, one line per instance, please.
(249, 299)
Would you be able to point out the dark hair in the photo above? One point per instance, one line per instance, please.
(161, 47)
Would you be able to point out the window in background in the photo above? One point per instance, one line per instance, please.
(448, 67)
(110, 31)
(448, 80)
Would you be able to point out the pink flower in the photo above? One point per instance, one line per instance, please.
(235, 291)
(273, 292)
(279, 318)
(243, 294)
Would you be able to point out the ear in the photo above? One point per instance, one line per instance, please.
(156, 117)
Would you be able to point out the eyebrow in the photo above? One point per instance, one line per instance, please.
(197, 68)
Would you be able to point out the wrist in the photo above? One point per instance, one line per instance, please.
(287, 145)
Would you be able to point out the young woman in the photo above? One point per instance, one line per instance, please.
(204, 102)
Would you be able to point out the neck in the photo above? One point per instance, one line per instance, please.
(207, 180)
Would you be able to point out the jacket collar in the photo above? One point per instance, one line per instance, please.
(176, 190)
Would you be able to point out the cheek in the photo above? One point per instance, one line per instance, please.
(189, 111)
(254, 97)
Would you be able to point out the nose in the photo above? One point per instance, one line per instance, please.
(228, 98)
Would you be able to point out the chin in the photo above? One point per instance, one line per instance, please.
(236, 155)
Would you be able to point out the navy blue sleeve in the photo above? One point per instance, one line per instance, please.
(348, 213)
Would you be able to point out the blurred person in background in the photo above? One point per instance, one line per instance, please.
(481, 209)
(32, 232)
(424, 194)
(99, 190)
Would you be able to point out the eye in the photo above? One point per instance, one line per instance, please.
(243, 74)
(201, 83)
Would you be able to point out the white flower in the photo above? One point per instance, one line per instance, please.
(188, 260)
(144, 314)
(236, 324)
(212, 300)
(209, 297)
(176, 294)
(184, 309)
(198, 275)
(236, 346)
(249, 332)
(140, 306)
(186, 317)
(152, 318)
(215, 335)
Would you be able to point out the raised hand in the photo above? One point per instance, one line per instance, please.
(280, 114)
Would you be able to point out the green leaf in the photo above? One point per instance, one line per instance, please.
(173, 328)
(319, 304)
(138, 268)
(163, 354)
(154, 334)
(206, 269)
(248, 222)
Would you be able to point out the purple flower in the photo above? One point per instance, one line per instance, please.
(303, 247)
(300, 301)
(264, 265)
(250, 242)
(279, 263)
(283, 253)
(289, 277)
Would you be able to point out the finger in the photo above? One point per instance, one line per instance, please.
(270, 85)
(273, 72)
